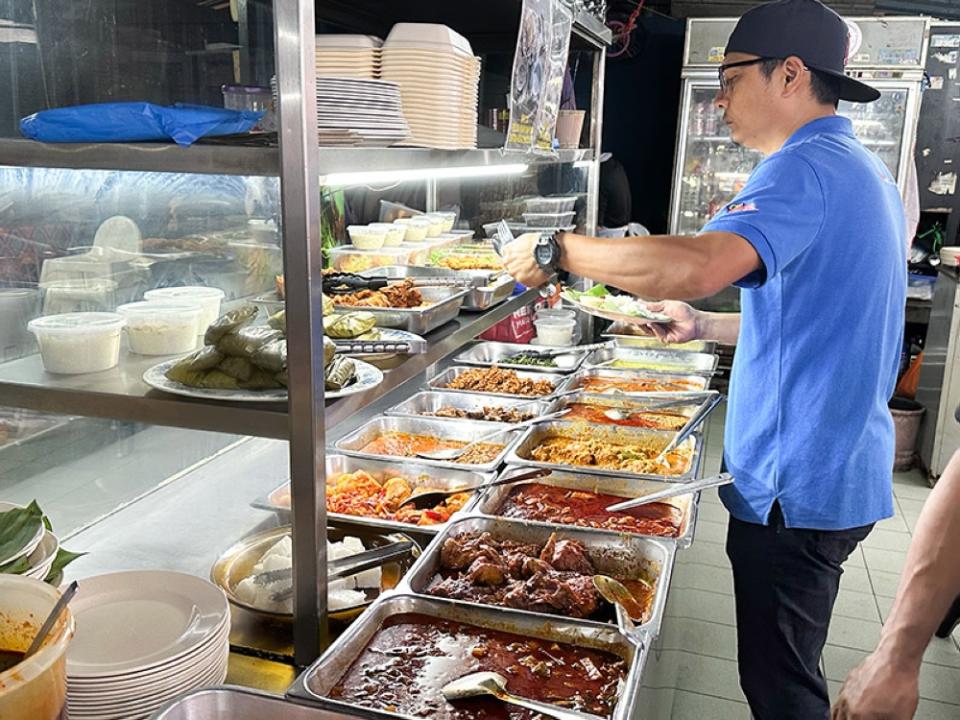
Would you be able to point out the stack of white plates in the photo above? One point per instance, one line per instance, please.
(40, 550)
(353, 111)
(439, 80)
(349, 56)
(143, 638)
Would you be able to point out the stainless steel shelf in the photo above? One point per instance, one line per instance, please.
(254, 161)
(121, 394)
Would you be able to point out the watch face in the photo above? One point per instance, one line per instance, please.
(543, 253)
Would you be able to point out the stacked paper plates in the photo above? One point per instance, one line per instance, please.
(353, 111)
(439, 80)
(142, 639)
(349, 56)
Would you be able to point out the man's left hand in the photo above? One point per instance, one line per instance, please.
(521, 264)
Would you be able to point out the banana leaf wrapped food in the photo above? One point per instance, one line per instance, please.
(272, 356)
(260, 380)
(210, 379)
(328, 306)
(236, 367)
(282, 377)
(340, 373)
(247, 341)
(206, 358)
(229, 323)
(329, 350)
(349, 325)
(278, 321)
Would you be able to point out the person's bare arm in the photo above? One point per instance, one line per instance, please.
(679, 267)
(885, 684)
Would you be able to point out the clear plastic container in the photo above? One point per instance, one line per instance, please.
(251, 97)
(366, 237)
(78, 343)
(555, 204)
(78, 295)
(416, 228)
(445, 217)
(161, 328)
(35, 689)
(556, 314)
(394, 233)
(542, 220)
(208, 298)
(350, 259)
(555, 331)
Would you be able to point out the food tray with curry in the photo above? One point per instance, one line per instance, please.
(605, 450)
(470, 406)
(633, 382)
(568, 499)
(396, 658)
(649, 342)
(640, 411)
(499, 381)
(665, 361)
(513, 356)
(364, 493)
(543, 570)
(385, 438)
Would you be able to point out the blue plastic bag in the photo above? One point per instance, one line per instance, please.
(135, 122)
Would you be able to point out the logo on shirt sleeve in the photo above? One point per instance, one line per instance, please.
(741, 207)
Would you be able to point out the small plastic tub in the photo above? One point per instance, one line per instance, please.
(36, 688)
(548, 219)
(556, 314)
(394, 233)
(78, 343)
(445, 217)
(555, 331)
(161, 328)
(555, 204)
(416, 229)
(365, 237)
(207, 298)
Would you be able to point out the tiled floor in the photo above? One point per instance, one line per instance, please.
(692, 674)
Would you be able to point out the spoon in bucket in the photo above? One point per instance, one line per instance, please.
(51, 620)
(454, 453)
(432, 498)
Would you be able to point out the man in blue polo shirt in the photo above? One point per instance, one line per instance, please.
(816, 242)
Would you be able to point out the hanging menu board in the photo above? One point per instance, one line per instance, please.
(543, 46)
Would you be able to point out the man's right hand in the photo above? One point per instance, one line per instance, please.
(686, 323)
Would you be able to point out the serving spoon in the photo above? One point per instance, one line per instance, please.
(623, 601)
(432, 498)
(494, 684)
(619, 414)
(454, 453)
(48, 624)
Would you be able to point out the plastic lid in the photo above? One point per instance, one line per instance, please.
(196, 291)
(382, 230)
(150, 307)
(419, 220)
(442, 214)
(79, 322)
(91, 284)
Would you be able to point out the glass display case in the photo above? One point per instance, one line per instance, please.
(136, 476)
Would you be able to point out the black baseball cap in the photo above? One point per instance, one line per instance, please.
(805, 28)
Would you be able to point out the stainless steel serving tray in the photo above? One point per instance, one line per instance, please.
(493, 498)
(238, 703)
(431, 401)
(417, 473)
(320, 678)
(465, 430)
(627, 556)
(487, 287)
(651, 343)
(444, 306)
(486, 354)
(520, 453)
(667, 361)
(635, 402)
(700, 381)
(441, 382)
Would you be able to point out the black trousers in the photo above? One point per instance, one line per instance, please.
(786, 582)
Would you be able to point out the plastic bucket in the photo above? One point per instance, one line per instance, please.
(906, 422)
(35, 689)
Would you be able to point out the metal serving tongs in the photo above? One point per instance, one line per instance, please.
(673, 490)
(344, 283)
(692, 424)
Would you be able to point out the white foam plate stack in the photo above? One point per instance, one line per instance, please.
(354, 111)
(144, 637)
(439, 80)
(348, 56)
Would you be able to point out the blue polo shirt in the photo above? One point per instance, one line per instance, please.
(820, 333)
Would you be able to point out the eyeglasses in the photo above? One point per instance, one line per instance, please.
(721, 71)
